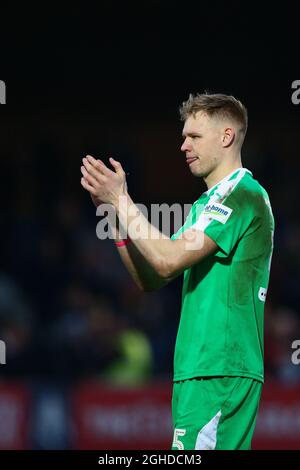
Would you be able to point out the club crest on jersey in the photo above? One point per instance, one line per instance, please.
(218, 212)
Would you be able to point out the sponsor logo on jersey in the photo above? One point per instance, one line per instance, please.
(218, 212)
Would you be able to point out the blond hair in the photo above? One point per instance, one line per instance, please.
(216, 105)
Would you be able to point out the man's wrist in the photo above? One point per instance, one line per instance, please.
(123, 220)
(124, 242)
(116, 203)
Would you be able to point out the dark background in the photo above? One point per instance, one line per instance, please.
(108, 79)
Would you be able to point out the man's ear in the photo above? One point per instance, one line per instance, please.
(228, 136)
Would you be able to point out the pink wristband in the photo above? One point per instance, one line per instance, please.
(123, 242)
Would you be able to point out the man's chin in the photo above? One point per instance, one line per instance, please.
(198, 172)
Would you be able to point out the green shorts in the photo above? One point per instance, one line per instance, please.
(215, 413)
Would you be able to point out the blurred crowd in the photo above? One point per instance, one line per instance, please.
(69, 309)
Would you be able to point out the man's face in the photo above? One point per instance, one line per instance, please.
(202, 143)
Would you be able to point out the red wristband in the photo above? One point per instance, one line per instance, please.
(123, 242)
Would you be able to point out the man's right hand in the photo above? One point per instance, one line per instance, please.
(97, 202)
(103, 184)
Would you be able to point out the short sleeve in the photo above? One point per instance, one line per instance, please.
(226, 223)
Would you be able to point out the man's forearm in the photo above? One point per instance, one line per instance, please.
(155, 247)
(138, 267)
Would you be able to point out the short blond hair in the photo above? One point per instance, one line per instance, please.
(218, 105)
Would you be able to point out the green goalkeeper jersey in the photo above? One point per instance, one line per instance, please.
(222, 315)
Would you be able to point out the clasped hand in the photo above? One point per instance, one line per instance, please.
(104, 185)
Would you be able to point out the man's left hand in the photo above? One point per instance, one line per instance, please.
(105, 185)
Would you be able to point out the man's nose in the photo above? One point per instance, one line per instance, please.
(185, 146)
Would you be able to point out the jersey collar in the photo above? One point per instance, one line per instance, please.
(226, 178)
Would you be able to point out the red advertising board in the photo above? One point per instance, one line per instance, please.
(110, 418)
(14, 407)
(278, 423)
(140, 418)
